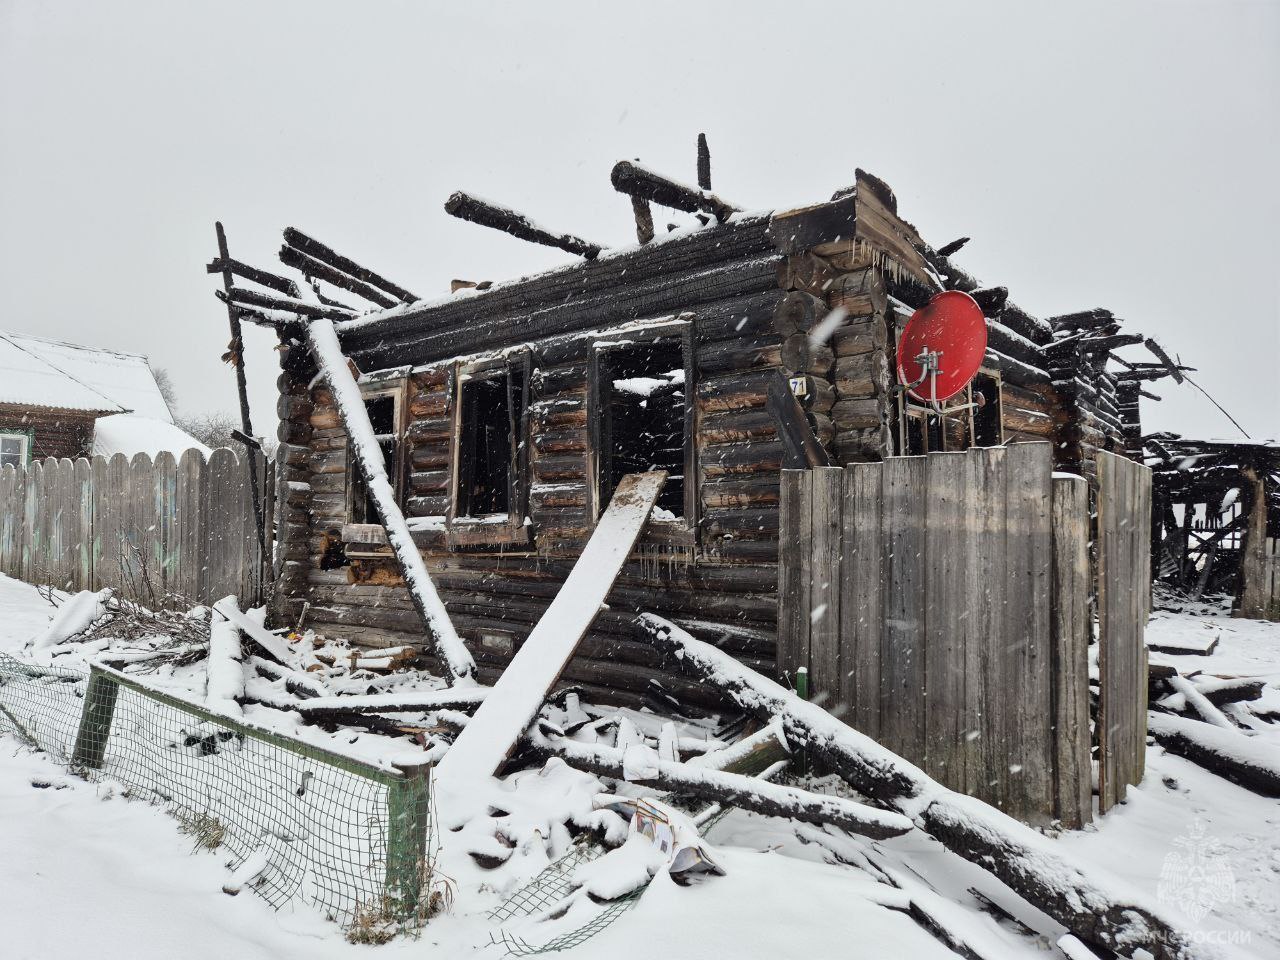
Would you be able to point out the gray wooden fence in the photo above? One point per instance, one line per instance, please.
(941, 606)
(150, 530)
(1123, 548)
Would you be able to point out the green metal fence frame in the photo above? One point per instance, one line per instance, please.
(407, 787)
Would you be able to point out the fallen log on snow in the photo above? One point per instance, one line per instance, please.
(1221, 692)
(642, 765)
(1199, 703)
(1099, 910)
(464, 698)
(1228, 753)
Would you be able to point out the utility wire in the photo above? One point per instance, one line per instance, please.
(1219, 406)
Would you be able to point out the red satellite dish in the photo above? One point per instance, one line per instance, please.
(942, 347)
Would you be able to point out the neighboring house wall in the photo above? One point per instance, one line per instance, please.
(51, 433)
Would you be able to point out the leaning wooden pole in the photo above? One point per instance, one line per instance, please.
(235, 351)
(455, 660)
(1098, 910)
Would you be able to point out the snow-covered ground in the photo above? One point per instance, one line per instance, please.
(84, 871)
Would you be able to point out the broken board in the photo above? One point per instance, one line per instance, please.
(487, 740)
(274, 647)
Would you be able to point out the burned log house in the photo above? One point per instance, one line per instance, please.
(507, 412)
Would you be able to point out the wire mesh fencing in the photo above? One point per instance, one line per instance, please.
(547, 892)
(341, 834)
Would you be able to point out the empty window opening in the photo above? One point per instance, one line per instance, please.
(642, 406)
(382, 417)
(492, 409)
(986, 412)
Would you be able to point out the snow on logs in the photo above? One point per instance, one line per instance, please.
(313, 248)
(454, 656)
(637, 181)
(486, 214)
(1098, 909)
(1228, 753)
(642, 765)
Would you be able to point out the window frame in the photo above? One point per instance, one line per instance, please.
(683, 530)
(28, 441)
(395, 387)
(465, 530)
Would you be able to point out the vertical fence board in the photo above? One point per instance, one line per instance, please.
(166, 540)
(141, 530)
(1030, 500)
(861, 596)
(82, 504)
(222, 534)
(902, 642)
(191, 513)
(824, 594)
(34, 560)
(1070, 637)
(1123, 558)
(946, 616)
(793, 581)
(987, 588)
(58, 474)
(13, 503)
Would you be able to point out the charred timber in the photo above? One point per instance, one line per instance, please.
(731, 789)
(1174, 370)
(474, 210)
(264, 278)
(637, 181)
(309, 245)
(318, 270)
(240, 295)
(1082, 320)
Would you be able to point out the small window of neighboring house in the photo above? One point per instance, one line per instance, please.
(643, 420)
(491, 452)
(13, 449)
(384, 408)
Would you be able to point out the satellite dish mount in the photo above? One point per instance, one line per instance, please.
(950, 324)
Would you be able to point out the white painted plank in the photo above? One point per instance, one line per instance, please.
(507, 711)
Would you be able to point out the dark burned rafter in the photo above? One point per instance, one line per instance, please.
(1174, 370)
(637, 181)
(473, 209)
(251, 298)
(318, 270)
(295, 238)
(1082, 319)
(264, 278)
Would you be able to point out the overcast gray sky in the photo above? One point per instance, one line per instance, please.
(1119, 154)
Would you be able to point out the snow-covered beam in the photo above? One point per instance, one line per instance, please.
(454, 657)
(642, 765)
(486, 214)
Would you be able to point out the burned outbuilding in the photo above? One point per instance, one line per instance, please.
(1216, 520)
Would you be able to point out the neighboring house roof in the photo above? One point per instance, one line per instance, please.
(68, 376)
(130, 434)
